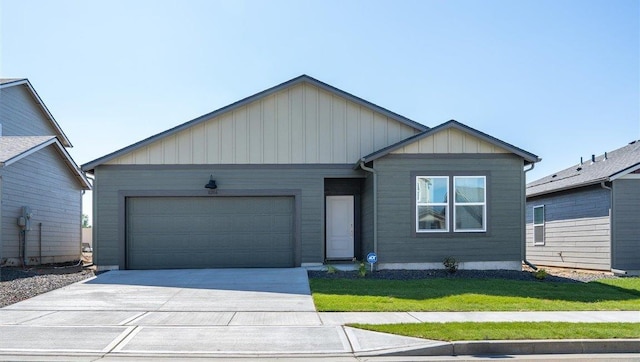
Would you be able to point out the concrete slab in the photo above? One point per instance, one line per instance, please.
(8, 316)
(183, 319)
(331, 318)
(237, 300)
(236, 340)
(275, 319)
(556, 316)
(60, 339)
(84, 318)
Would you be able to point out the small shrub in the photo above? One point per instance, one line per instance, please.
(540, 274)
(450, 264)
(331, 269)
(362, 269)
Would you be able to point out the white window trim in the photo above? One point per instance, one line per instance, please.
(544, 220)
(483, 204)
(445, 204)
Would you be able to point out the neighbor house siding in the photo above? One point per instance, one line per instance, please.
(399, 243)
(20, 114)
(308, 181)
(626, 224)
(42, 182)
(302, 124)
(577, 228)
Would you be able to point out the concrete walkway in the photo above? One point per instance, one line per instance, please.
(238, 312)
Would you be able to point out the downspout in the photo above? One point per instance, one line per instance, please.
(375, 203)
(524, 220)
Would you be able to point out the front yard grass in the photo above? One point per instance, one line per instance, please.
(459, 294)
(469, 331)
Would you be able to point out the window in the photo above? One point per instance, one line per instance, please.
(470, 207)
(538, 225)
(432, 203)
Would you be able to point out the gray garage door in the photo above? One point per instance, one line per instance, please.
(209, 232)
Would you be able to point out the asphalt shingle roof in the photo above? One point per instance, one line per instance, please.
(588, 172)
(13, 146)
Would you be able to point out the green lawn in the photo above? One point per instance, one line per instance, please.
(469, 331)
(459, 294)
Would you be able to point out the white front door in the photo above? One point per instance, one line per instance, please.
(339, 232)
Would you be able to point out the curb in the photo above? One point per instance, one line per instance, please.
(526, 347)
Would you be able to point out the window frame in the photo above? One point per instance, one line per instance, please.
(543, 225)
(483, 204)
(445, 204)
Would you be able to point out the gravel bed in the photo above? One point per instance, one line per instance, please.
(562, 276)
(18, 284)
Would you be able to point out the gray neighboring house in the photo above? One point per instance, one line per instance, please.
(588, 215)
(40, 184)
(304, 174)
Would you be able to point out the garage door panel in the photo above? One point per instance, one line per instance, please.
(192, 232)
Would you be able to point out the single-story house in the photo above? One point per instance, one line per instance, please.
(587, 216)
(304, 174)
(40, 184)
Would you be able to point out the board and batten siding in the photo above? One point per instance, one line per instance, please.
(42, 182)
(450, 141)
(399, 243)
(20, 115)
(302, 124)
(626, 224)
(577, 229)
(308, 181)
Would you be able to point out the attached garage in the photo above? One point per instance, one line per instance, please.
(209, 232)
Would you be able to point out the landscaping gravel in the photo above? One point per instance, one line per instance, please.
(18, 284)
(563, 276)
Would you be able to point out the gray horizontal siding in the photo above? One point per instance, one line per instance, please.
(397, 240)
(110, 180)
(42, 181)
(577, 229)
(573, 243)
(20, 115)
(367, 217)
(626, 224)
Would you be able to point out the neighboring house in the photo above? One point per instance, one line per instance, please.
(304, 174)
(40, 185)
(588, 215)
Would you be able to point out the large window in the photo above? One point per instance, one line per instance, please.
(470, 207)
(538, 225)
(434, 206)
(432, 203)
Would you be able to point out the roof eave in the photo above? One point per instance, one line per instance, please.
(570, 187)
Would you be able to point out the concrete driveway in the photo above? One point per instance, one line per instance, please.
(208, 312)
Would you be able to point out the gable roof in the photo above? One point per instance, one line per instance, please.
(527, 156)
(295, 81)
(607, 167)
(15, 148)
(12, 82)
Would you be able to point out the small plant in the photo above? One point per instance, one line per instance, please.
(362, 268)
(450, 264)
(331, 269)
(540, 274)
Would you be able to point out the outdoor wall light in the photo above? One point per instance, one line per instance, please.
(212, 184)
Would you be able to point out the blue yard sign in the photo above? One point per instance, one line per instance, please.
(372, 258)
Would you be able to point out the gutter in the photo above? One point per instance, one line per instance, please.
(375, 203)
(523, 252)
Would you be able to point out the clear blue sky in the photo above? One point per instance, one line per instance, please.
(560, 79)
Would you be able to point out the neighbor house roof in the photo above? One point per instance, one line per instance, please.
(298, 80)
(15, 148)
(527, 156)
(12, 82)
(607, 167)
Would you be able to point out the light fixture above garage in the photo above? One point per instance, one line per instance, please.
(212, 184)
